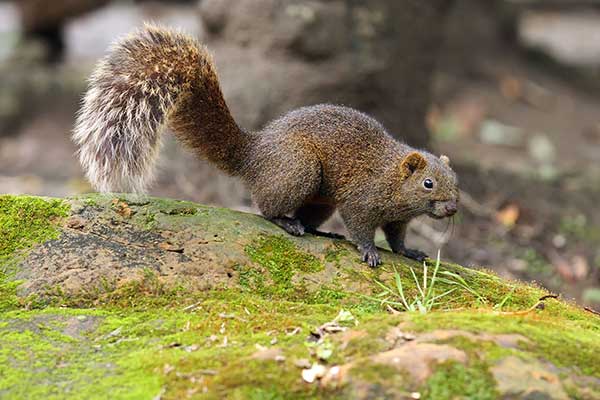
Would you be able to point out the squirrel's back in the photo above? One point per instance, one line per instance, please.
(149, 79)
(346, 140)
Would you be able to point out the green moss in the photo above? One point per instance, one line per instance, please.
(578, 388)
(481, 349)
(146, 337)
(8, 293)
(149, 291)
(547, 331)
(92, 199)
(326, 295)
(251, 279)
(25, 221)
(374, 372)
(90, 202)
(40, 361)
(336, 253)
(454, 380)
(370, 341)
(380, 380)
(139, 349)
(281, 259)
(136, 352)
(245, 377)
(471, 380)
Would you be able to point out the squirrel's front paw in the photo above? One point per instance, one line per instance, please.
(414, 254)
(371, 257)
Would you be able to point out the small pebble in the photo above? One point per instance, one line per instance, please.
(317, 371)
(302, 363)
(559, 241)
(279, 358)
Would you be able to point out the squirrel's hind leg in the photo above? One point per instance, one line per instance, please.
(292, 226)
(291, 179)
(313, 214)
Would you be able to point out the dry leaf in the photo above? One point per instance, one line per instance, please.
(511, 88)
(272, 353)
(75, 222)
(575, 270)
(580, 268)
(167, 246)
(509, 215)
(122, 208)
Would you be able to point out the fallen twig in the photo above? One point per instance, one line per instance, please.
(537, 306)
(191, 306)
(591, 310)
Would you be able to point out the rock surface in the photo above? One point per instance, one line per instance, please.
(570, 38)
(150, 298)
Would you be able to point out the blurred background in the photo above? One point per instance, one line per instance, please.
(510, 90)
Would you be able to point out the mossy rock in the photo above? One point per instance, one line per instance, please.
(136, 297)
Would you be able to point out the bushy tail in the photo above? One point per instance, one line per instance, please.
(152, 78)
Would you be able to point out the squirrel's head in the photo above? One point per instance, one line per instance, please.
(429, 184)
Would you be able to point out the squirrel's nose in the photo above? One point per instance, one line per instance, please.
(451, 208)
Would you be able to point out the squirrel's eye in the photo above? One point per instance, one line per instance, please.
(428, 184)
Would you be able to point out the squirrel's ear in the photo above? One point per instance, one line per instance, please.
(412, 162)
(445, 159)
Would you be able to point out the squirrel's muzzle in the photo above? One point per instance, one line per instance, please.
(451, 207)
(443, 209)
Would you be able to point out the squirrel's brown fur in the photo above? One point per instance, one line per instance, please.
(299, 168)
(150, 78)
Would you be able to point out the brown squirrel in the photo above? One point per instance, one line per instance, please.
(299, 168)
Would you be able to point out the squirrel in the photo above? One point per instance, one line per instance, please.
(299, 168)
